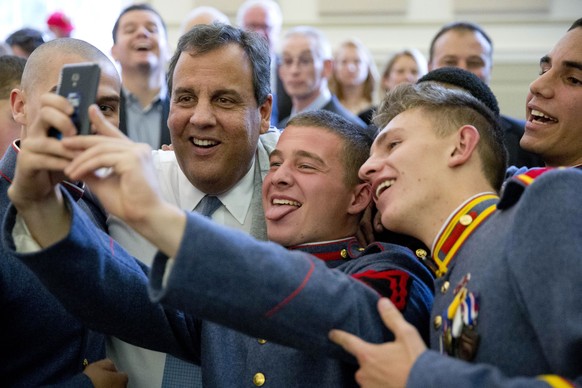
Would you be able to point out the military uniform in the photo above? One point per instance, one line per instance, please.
(226, 278)
(508, 293)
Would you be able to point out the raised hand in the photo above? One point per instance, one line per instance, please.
(121, 173)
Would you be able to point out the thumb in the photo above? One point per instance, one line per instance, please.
(392, 317)
(101, 125)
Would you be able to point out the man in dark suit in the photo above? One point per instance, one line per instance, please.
(467, 46)
(306, 63)
(265, 18)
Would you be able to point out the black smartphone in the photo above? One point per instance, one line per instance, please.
(78, 83)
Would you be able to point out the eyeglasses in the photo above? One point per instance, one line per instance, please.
(302, 62)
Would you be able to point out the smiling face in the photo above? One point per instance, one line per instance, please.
(141, 41)
(554, 115)
(214, 118)
(305, 194)
(407, 169)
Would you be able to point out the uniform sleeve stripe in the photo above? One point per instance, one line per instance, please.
(291, 296)
(556, 381)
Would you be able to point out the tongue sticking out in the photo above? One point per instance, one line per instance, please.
(280, 208)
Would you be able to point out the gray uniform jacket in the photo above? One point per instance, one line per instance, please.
(509, 301)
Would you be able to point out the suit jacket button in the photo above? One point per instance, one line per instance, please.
(259, 379)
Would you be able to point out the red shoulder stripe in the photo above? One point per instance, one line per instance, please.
(393, 284)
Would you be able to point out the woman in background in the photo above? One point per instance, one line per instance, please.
(405, 66)
(355, 78)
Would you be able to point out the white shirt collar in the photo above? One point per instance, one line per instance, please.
(178, 190)
(236, 201)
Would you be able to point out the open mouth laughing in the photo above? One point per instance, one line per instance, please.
(542, 118)
(384, 186)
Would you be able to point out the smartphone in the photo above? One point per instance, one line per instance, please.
(78, 83)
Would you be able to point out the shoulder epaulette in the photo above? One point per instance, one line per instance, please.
(517, 184)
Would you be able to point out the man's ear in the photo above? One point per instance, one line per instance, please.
(114, 52)
(466, 141)
(361, 197)
(265, 112)
(327, 69)
(17, 105)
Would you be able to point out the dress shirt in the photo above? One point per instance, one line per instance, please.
(143, 123)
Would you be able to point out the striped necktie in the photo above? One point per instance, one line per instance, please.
(208, 205)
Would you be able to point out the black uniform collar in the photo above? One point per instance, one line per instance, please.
(328, 251)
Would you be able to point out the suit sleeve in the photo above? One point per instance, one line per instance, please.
(106, 288)
(546, 273)
(265, 290)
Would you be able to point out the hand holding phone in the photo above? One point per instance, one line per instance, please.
(79, 83)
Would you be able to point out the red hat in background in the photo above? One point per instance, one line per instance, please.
(61, 21)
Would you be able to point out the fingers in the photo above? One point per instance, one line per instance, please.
(103, 373)
(391, 317)
(403, 331)
(378, 227)
(55, 112)
(47, 147)
(101, 125)
(102, 152)
(106, 364)
(349, 342)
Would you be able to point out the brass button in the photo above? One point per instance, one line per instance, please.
(466, 219)
(344, 253)
(259, 379)
(262, 341)
(445, 287)
(421, 253)
(361, 249)
(85, 362)
(438, 321)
